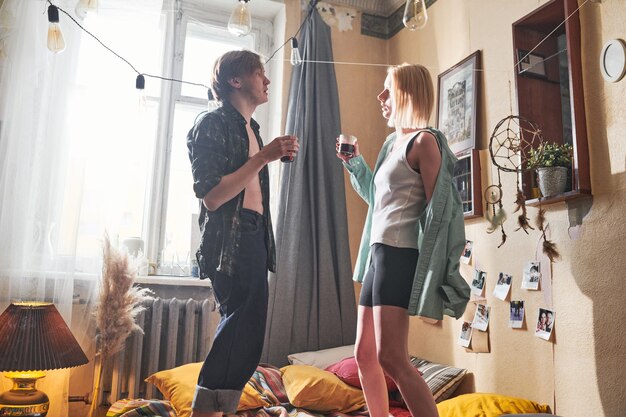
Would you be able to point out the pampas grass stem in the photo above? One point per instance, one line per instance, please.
(118, 304)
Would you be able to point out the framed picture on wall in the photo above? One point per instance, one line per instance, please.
(457, 103)
(531, 64)
(466, 177)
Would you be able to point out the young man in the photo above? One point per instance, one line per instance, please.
(229, 166)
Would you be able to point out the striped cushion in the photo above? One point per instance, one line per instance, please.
(441, 379)
(138, 408)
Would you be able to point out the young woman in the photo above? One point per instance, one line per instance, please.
(414, 235)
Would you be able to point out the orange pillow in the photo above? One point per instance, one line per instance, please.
(319, 390)
(178, 385)
(488, 405)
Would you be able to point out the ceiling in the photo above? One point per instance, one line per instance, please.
(269, 8)
(377, 7)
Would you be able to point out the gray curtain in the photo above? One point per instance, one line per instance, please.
(311, 304)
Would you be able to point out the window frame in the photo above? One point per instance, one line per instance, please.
(155, 209)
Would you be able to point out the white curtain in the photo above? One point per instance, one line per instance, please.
(75, 155)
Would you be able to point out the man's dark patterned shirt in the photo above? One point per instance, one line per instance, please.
(218, 145)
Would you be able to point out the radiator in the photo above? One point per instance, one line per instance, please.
(176, 332)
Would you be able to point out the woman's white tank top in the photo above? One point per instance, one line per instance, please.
(399, 200)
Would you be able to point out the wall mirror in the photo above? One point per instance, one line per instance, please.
(550, 90)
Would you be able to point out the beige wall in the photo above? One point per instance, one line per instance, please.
(581, 371)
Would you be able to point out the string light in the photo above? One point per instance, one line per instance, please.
(56, 43)
(296, 59)
(240, 22)
(84, 7)
(213, 103)
(415, 15)
(140, 85)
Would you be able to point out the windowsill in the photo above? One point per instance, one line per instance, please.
(187, 281)
(173, 280)
(567, 196)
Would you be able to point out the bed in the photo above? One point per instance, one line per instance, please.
(321, 384)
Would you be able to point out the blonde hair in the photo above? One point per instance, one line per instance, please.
(232, 64)
(412, 93)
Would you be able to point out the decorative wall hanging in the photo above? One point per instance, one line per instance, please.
(338, 16)
(509, 146)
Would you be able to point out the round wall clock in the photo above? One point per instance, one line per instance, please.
(613, 60)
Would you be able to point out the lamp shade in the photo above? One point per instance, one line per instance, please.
(34, 337)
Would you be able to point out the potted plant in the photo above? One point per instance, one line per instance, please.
(552, 161)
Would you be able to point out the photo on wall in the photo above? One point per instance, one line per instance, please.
(531, 275)
(516, 316)
(466, 334)
(478, 283)
(503, 286)
(481, 317)
(545, 323)
(467, 252)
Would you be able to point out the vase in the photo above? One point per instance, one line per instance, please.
(552, 180)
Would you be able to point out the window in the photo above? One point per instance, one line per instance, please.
(201, 46)
(550, 92)
(147, 190)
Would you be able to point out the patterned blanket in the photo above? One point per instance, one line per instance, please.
(266, 381)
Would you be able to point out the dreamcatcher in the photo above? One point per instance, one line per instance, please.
(509, 146)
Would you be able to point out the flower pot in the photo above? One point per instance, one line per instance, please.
(552, 180)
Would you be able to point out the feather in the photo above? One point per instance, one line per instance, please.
(119, 302)
(503, 237)
(496, 220)
(522, 220)
(520, 201)
(550, 249)
(541, 219)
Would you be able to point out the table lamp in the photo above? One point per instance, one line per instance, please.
(33, 338)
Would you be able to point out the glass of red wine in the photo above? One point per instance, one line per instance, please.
(346, 144)
(287, 158)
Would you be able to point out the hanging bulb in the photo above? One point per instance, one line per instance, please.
(296, 59)
(212, 103)
(240, 22)
(415, 15)
(56, 43)
(83, 7)
(140, 85)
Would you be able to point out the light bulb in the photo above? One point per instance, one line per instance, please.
(140, 85)
(296, 59)
(212, 103)
(415, 15)
(86, 6)
(240, 22)
(56, 43)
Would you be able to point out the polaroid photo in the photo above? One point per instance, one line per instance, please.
(516, 316)
(467, 252)
(466, 334)
(545, 323)
(503, 286)
(531, 276)
(478, 283)
(481, 318)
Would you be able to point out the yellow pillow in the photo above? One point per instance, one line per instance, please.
(178, 385)
(487, 405)
(319, 390)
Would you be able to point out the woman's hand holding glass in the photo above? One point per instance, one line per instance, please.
(347, 147)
